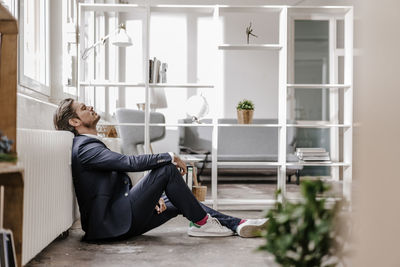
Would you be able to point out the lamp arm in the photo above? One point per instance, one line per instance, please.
(102, 40)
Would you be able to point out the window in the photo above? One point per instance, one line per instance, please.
(11, 5)
(34, 45)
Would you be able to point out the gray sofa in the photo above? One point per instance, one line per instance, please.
(252, 144)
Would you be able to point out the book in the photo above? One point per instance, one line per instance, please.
(151, 70)
(315, 161)
(312, 154)
(163, 73)
(310, 149)
(156, 70)
(315, 158)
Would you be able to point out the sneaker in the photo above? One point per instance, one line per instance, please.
(251, 227)
(211, 228)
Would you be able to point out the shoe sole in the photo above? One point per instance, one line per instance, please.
(251, 230)
(202, 234)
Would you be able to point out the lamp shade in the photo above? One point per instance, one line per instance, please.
(157, 98)
(122, 39)
(197, 107)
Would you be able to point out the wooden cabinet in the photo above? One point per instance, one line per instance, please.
(8, 74)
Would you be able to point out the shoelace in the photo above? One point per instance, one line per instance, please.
(215, 221)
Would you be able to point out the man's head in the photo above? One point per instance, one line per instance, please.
(75, 117)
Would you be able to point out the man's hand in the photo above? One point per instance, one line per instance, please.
(180, 165)
(160, 207)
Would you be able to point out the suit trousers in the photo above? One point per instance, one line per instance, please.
(144, 196)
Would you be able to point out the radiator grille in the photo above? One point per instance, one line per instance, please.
(48, 192)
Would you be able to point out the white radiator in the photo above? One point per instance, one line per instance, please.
(49, 200)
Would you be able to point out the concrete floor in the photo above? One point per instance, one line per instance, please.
(168, 245)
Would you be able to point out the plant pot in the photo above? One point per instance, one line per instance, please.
(245, 116)
(199, 192)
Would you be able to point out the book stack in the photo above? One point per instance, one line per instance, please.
(157, 71)
(313, 154)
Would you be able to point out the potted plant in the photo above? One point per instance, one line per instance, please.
(306, 233)
(245, 110)
(5, 149)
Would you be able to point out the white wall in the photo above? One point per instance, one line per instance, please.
(34, 114)
(250, 74)
(376, 147)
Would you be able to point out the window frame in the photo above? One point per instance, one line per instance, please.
(24, 80)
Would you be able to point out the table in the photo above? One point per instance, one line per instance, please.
(12, 178)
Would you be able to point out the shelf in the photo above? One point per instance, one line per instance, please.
(252, 163)
(328, 164)
(112, 84)
(227, 125)
(133, 84)
(328, 199)
(144, 10)
(249, 47)
(245, 8)
(317, 86)
(307, 10)
(249, 125)
(112, 7)
(181, 85)
(159, 124)
(232, 201)
(318, 125)
(183, 8)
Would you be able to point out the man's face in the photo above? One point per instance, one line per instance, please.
(86, 114)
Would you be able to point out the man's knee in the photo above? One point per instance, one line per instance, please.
(169, 169)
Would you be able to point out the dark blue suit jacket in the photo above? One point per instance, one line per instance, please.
(102, 186)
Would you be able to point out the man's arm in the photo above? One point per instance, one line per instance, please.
(96, 156)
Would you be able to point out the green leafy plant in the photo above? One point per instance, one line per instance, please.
(306, 233)
(245, 105)
(5, 149)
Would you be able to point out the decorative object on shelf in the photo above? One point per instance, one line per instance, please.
(5, 149)
(313, 154)
(157, 100)
(157, 71)
(163, 73)
(121, 39)
(197, 107)
(245, 111)
(249, 31)
(107, 131)
(307, 233)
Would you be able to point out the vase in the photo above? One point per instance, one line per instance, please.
(245, 116)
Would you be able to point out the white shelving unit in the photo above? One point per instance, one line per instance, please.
(281, 48)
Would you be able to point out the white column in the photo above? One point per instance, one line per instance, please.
(80, 94)
(348, 104)
(146, 36)
(282, 100)
(218, 88)
(333, 99)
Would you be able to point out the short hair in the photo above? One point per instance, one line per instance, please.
(63, 114)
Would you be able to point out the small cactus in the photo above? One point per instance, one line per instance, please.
(245, 105)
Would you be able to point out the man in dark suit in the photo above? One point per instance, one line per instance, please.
(111, 208)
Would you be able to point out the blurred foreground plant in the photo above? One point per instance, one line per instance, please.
(5, 149)
(306, 233)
